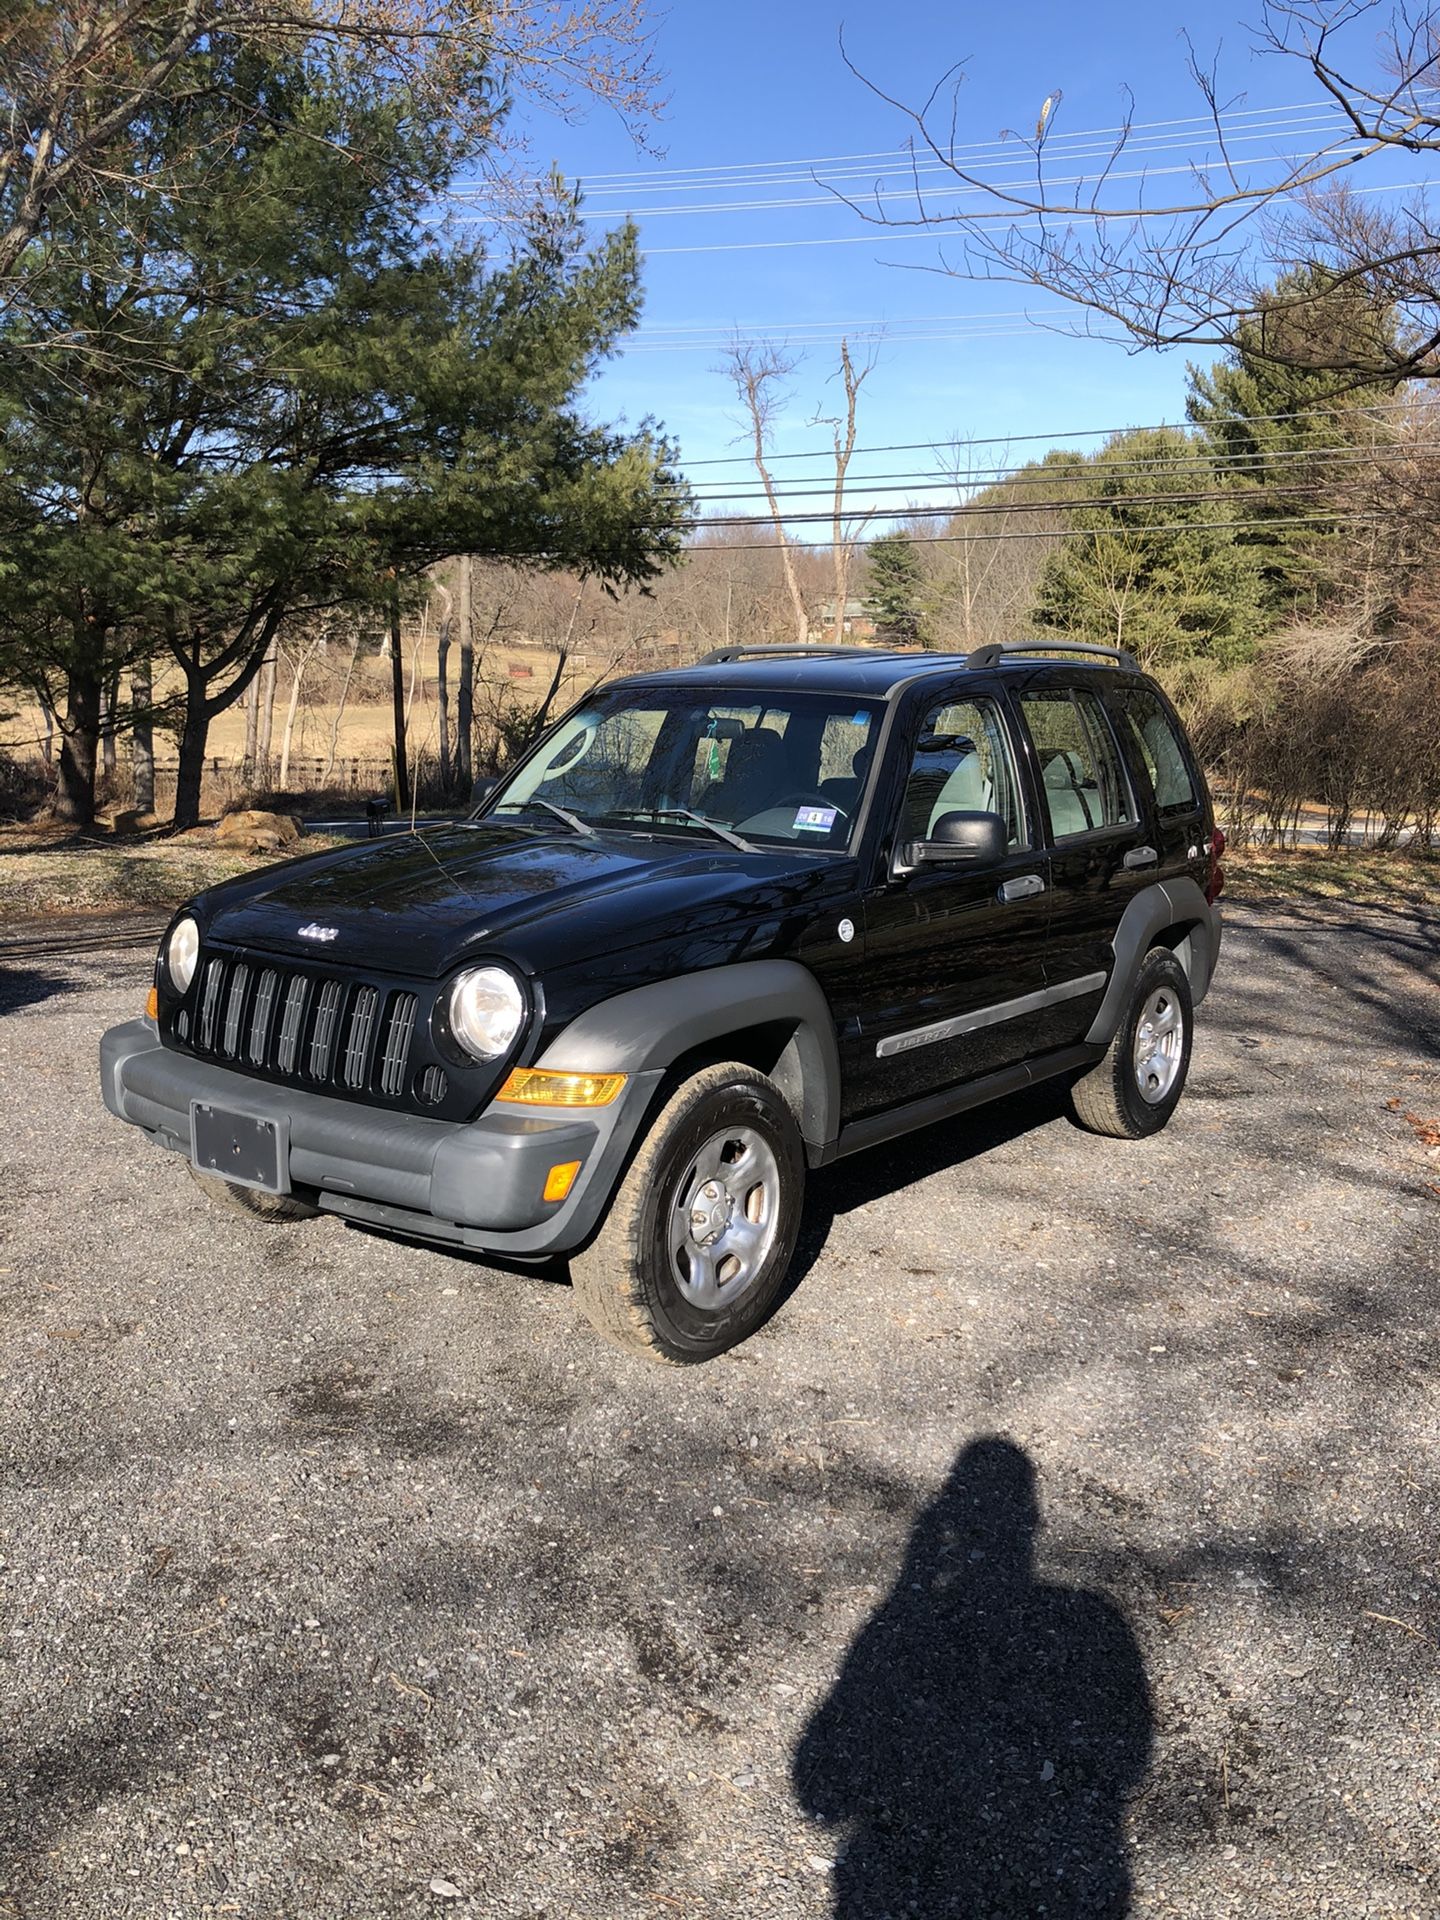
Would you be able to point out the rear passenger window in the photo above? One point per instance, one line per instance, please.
(1080, 767)
(1158, 741)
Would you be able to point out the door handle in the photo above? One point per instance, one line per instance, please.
(1021, 887)
(1141, 857)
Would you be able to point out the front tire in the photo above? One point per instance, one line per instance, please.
(277, 1208)
(1135, 1088)
(694, 1251)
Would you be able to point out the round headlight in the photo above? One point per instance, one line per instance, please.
(487, 1010)
(182, 950)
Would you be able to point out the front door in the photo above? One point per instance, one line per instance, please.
(954, 958)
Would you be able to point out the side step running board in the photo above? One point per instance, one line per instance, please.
(877, 1128)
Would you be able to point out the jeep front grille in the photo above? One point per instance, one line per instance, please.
(316, 1030)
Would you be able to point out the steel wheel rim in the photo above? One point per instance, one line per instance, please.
(724, 1219)
(1159, 1046)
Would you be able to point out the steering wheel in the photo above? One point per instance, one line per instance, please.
(805, 799)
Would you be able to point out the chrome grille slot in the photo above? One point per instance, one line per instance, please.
(322, 1038)
(235, 1008)
(290, 1023)
(362, 1028)
(397, 1045)
(210, 1002)
(261, 1015)
(281, 1021)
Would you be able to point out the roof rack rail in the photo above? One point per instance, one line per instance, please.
(992, 654)
(796, 652)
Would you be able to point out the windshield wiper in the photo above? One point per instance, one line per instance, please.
(572, 820)
(687, 813)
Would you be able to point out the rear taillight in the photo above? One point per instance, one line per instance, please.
(1215, 884)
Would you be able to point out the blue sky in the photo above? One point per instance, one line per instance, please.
(759, 88)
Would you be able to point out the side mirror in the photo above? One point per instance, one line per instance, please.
(961, 840)
(482, 790)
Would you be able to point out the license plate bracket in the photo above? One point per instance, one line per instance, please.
(241, 1149)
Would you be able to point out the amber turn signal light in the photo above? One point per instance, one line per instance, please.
(536, 1087)
(152, 1004)
(559, 1180)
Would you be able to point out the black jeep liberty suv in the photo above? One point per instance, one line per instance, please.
(720, 925)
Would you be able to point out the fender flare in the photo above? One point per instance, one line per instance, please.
(1166, 904)
(653, 1026)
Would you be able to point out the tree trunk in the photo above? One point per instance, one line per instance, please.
(340, 710)
(142, 752)
(442, 685)
(79, 745)
(465, 699)
(252, 728)
(301, 659)
(397, 694)
(267, 716)
(107, 731)
(47, 739)
(191, 770)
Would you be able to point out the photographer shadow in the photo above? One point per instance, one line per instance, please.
(986, 1730)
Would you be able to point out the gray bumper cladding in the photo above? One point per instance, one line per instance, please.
(479, 1184)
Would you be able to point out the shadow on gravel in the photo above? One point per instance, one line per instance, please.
(987, 1729)
(30, 987)
(945, 1146)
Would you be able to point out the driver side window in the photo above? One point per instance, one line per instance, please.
(962, 764)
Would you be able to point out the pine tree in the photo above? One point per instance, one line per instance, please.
(1157, 567)
(1279, 435)
(897, 589)
(270, 389)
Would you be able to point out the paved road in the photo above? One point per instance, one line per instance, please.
(1067, 1545)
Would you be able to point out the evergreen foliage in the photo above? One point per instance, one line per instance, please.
(1157, 568)
(274, 387)
(896, 590)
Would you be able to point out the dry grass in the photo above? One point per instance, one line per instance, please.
(1397, 881)
(45, 871)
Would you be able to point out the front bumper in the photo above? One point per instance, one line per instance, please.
(478, 1184)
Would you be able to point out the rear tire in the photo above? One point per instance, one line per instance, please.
(276, 1208)
(1135, 1088)
(695, 1248)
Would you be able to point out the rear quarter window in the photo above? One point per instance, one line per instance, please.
(1156, 738)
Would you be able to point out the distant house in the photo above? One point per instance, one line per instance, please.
(859, 623)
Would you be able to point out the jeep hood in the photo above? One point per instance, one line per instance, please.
(420, 903)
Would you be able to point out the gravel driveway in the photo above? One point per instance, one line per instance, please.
(1069, 1543)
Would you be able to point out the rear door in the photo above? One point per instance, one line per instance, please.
(954, 955)
(1162, 760)
(1102, 849)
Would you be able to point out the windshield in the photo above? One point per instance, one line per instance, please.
(787, 769)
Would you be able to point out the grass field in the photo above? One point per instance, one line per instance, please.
(1361, 879)
(46, 870)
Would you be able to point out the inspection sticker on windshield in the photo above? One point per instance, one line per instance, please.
(815, 819)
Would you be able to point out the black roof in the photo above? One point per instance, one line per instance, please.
(865, 671)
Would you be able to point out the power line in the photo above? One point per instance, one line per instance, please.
(1204, 120)
(932, 193)
(921, 162)
(936, 228)
(1055, 437)
(1200, 496)
(1046, 533)
(1232, 467)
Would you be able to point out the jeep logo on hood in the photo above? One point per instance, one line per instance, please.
(314, 932)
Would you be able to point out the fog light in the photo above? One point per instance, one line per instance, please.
(536, 1087)
(152, 1004)
(559, 1180)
